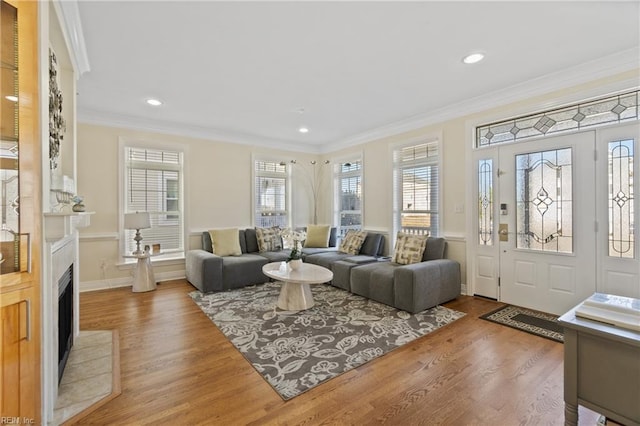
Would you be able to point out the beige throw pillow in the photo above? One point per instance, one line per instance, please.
(352, 242)
(226, 242)
(409, 248)
(318, 236)
(268, 239)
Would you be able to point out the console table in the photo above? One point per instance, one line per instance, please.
(601, 370)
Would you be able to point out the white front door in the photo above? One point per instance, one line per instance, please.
(547, 223)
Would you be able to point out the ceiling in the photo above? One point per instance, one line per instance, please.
(243, 71)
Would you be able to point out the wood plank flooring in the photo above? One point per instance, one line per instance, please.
(178, 369)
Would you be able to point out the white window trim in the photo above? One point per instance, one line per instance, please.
(123, 142)
(397, 196)
(289, 183)
(335, 200)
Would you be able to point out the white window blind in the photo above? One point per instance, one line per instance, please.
(153, 183)
(348, 196)
(416, 189)
(270, 194)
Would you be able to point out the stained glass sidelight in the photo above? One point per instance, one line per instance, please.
(621, 206)
(544, 213)
(485, 202)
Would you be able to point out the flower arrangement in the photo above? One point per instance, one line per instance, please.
(294, 240)
(77, 203)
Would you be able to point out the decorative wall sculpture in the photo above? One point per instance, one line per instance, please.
(57, 124)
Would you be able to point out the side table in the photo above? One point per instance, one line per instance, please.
(601, 369)
(144, 280)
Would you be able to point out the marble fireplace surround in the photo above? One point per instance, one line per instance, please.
(61, 252)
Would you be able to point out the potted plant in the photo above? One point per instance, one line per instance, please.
(294, 238)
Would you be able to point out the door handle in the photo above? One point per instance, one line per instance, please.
(503, 232)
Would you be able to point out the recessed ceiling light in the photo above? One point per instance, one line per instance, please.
(11, 98)
(154, 102)
(473, 58)
(303, 130)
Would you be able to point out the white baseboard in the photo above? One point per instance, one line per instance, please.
(128, 281)
(463, 289)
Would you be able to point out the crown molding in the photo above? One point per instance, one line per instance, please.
(103, 118)
(607, 66)
(71, 25)
(590, 71)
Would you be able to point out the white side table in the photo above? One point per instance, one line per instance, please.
(144, 279)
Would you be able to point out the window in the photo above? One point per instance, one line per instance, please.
(271, 201)
(153, 182)
(416, 189)
(621, 199)
(485, 202)
(348, 196)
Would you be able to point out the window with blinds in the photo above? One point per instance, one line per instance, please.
(348, 196)
(416, 189)
(270, 194)
(153, 182)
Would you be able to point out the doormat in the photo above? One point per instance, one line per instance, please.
(534, 322)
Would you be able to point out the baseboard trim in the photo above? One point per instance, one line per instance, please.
(107, 284)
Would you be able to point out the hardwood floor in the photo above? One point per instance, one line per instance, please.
(178, 369)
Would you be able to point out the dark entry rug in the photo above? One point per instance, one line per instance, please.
(534, 322)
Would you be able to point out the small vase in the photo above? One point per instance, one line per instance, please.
(78, 207)
(295, 264)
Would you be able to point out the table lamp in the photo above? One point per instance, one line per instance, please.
(137, 221)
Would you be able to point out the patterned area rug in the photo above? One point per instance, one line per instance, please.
(296, 351)
(534, 322)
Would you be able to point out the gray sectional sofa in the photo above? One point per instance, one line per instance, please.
(412, 288)
(209, 272)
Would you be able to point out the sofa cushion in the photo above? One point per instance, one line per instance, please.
(434, 249)
(250, 241)
(352, 242)
(268, 239)
(225, 242)
(276, 256)
(409, 248)
(206, 242)
(318, 236)
(374, 281)
(373, 245)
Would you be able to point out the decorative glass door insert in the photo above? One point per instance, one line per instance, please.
(621, 205)
(544, 214)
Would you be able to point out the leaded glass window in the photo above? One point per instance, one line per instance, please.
(621, 206)
(485, 202)
(612, 109)
(544, 214)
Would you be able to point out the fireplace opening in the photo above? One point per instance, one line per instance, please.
(65, 319)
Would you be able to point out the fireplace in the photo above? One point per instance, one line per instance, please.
(65, 319)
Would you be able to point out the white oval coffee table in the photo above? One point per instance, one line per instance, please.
(295, 294)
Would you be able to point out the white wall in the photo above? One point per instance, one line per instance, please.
(219, 180)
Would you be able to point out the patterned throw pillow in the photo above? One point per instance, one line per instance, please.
(409, 248)
(268, 239)
(352, 242)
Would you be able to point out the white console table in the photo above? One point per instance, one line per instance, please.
(601, 370)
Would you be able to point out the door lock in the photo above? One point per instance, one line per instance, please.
(503, 232)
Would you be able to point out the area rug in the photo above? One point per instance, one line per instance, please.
(534, 322)
(296, 351)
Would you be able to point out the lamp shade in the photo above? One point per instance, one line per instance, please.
(138, 220)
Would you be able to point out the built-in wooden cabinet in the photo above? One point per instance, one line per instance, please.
(20, 213)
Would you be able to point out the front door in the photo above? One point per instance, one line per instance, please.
(547, 222)
(555, 219)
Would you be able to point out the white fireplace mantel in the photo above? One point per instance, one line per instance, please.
(59, 225)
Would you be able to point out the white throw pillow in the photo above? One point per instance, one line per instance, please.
(226, 242)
